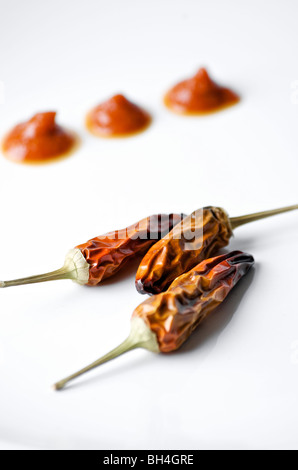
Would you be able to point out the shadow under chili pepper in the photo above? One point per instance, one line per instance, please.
(212, 326)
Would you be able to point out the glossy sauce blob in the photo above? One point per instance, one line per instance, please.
(199, 95)
(117, 117)
(38, 140)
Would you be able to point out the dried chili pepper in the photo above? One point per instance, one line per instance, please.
(102, 257)
(164, 321)
(197, 237)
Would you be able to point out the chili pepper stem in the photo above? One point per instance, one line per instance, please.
(140, 337)
(75, 268)
(245, 219)
(52, 276)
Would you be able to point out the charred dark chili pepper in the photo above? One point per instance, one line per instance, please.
(102, 257)
(195, 238)
(164, 322)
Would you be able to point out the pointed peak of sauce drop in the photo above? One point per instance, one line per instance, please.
(120, 99)
(203, 75)
(44, 122)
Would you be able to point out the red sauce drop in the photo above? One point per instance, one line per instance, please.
(199, 95)
(38, 140)
(117, 117)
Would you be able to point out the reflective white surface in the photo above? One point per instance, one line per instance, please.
(235, 383)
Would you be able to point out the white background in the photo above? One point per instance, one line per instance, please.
(235, 383)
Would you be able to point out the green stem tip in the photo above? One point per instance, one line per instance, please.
(52, 276)
(245, 219)
(140, 337)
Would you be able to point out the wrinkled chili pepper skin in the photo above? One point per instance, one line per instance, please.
(174, 314)
(107, 254)
(177, 252)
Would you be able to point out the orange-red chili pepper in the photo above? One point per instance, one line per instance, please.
(102, 257)
(197, 237)
(165, 321)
